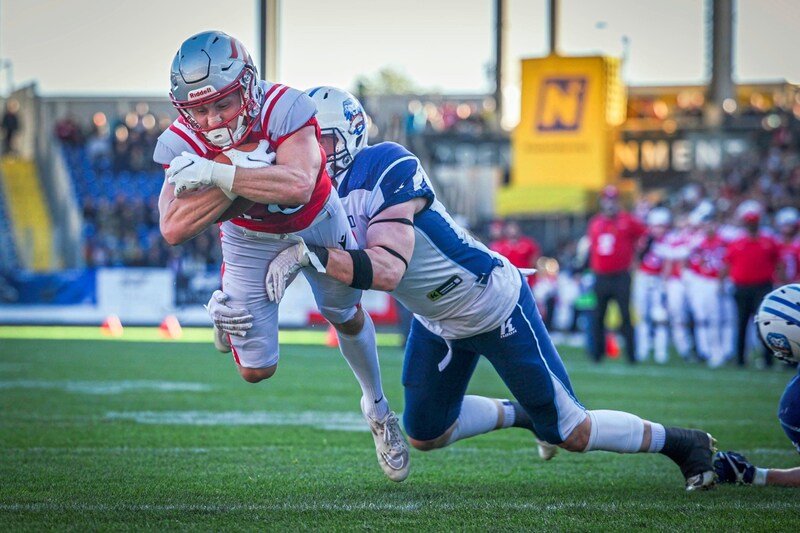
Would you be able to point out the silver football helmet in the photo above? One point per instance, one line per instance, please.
(778, 322)
(343, 122)
(209, 66)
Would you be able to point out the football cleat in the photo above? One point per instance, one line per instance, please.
(692, 450)
(221, 341)
(390, 446)
(733, 467)
(546, 450)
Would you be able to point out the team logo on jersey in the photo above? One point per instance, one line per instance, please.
(561, 103)
(507, 329)
(355, 115)
(201, 92)
(444, 288)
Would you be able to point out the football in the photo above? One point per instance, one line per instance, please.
(778, 322)
(240, 205)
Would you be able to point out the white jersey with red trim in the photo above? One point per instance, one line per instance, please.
(284, 111)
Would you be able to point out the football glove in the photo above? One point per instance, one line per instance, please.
(189, 172)
(258, 158)
(287, 263)
(733, 467)
(233, 321)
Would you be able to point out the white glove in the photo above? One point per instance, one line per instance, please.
(258, 158)
(231, 321)
(287, 263)
(188, 172)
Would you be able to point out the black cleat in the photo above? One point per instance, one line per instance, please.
(693, 451)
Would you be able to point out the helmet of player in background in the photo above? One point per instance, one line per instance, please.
(609, 200)
(787, 220)
(210, 66)
(749, 212)
(778, 322)
(343, 122)
(702, 217)
(659, 220)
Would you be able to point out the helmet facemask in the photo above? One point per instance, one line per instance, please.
(232, 132)
(338, 158)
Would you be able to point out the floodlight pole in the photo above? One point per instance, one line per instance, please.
(267, 15)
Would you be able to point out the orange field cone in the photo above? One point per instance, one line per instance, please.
(612, 346)
(171, 328)
(111, 326)
(331, 340)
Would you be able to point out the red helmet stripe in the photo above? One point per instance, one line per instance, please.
(234, 49)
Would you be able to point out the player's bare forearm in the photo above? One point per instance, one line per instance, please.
(291, 180)
(182, 218)
(387, 270)
(277, 184)
(389, 247)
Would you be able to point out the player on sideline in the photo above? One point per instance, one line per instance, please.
(467, 301)
(778, 321)
(222, 104)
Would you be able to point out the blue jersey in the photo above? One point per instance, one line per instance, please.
(454, 285)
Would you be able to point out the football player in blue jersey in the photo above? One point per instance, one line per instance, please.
(778, 322)
(467, 302)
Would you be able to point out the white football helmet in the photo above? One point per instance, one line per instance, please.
(659, 216)
(749, 211)
(778, 322)
(343, 122)
(788, 217)
(208, 67)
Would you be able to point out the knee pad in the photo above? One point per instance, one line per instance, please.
(338, 315)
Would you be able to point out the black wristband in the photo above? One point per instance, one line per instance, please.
(320, 251)
(362, 269)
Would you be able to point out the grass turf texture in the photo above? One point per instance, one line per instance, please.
(157, 435)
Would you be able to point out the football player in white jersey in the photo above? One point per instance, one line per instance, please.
(648, 293)
(467, 301)
(270, 198)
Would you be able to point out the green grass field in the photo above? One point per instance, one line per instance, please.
(144, 434)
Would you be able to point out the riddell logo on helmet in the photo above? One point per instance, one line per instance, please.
(199, 93)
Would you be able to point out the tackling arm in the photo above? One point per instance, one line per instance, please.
(387, 238)
(380, 266)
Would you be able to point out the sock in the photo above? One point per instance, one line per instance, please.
(615, 431)
(521, 418)
(760, 477)
(657, 437)
(478, 415)
(361, 353)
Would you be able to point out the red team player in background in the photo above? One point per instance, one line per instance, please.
(613, 235)
(751, 262)
(522, 251)
(704, 288)
(787, 223)
(273, 196)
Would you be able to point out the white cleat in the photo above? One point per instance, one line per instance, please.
(221, 341)
(390, 446)
(546, 450)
